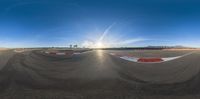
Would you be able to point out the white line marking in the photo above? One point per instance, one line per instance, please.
(133, 59)
(170, 58)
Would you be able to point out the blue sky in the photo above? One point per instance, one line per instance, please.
(37, 23)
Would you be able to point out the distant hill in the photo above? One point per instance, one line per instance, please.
(151, 48)
(168, 47)
(1, 48)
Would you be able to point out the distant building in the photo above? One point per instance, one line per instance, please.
(70, 46)
(75, 46)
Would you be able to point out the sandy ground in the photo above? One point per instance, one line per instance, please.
(98, 75)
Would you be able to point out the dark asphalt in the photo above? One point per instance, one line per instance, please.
(96, 75)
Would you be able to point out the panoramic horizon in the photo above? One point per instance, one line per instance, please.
(99, 24)
(99, 49)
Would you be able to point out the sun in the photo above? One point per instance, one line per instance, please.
(99, 45)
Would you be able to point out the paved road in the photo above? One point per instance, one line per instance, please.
(5, 55)
(97, 75)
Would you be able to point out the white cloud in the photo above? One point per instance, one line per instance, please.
(88, 44)
(130, 41)
(127, 42)
(106, 31)
(120, 43)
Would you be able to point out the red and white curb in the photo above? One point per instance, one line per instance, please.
(77, 53)
(149, 59)
(65, 53)
(58, 53)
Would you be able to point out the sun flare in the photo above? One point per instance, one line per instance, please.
(99, 45)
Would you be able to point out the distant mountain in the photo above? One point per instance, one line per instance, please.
(177, 46)
(2, 48)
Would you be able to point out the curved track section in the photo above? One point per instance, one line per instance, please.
(174, 71)
(149, 59)
(96, 73)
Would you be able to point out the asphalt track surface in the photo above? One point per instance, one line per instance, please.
(96, 75)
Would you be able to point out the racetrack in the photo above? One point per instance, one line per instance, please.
(97, 75)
